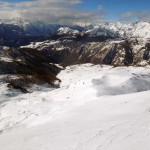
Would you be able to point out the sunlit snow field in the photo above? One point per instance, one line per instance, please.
(96, 108)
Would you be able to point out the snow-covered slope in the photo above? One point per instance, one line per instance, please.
(91, 111)
(139, 29)
(114, 29)
(67, 31)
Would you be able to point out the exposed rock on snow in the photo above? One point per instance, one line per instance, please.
(29, 67)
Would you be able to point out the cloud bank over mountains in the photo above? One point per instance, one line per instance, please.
(54, 11)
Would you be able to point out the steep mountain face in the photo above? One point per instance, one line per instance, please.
(117, 53)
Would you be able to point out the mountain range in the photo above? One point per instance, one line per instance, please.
(17, 28)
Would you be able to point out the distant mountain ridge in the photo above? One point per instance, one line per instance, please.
(17, 27)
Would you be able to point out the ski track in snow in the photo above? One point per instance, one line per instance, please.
(96, 108)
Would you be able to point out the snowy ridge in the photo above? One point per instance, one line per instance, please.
(67, 31)
(140, 29)
(15, 21)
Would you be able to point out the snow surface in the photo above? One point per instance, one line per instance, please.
(6, 59)
(38, 45)
(96, 108)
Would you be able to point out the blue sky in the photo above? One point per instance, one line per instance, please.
(114, 8)
(72, 9)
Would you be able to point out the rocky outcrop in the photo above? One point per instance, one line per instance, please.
(25, 67)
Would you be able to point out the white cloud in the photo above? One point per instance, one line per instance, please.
(54, 11)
